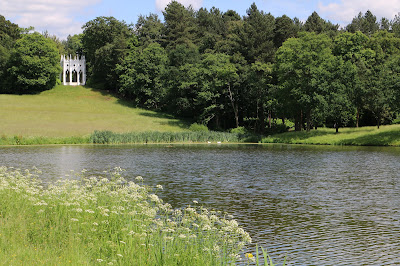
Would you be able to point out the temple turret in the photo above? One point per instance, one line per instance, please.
(73, 70)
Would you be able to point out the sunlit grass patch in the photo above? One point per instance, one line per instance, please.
(66, 111)
(90, 219)
(364, 136)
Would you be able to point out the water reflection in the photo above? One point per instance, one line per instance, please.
(319, 205)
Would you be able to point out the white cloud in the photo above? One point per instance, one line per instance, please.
(196, 4)
(56, 16)
(344, 11)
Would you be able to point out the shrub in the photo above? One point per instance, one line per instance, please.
(198, 127)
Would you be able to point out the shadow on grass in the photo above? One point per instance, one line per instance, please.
(150, 113)
(177, 122)
(385, 138)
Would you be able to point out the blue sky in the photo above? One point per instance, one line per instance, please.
(63, 17)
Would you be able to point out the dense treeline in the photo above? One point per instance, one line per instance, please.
(225, 71)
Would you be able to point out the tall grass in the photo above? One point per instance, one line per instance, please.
(108, 137)
(85, 220)
(23, 140)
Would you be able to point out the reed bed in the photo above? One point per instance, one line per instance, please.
(108, 137)
(88, 220)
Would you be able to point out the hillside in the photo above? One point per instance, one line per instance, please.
(77, 111)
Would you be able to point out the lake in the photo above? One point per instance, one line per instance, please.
(317, 205)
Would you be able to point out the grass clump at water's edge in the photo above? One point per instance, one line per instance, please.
(364, 136)
(109, 137)
(86, 220)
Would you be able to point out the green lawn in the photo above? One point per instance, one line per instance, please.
(365, 136)
(67, 111)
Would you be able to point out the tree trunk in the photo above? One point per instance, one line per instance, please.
(262, 119)
(301, 120)
(269, 118)
(358, 116)
(309, 121)
(235, 107)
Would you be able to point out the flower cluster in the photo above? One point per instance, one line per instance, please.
(118, 221)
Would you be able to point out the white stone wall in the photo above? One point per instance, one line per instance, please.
(71, 66)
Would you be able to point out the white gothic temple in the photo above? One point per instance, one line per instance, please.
(73, 70)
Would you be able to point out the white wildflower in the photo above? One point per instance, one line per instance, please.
(139, 178)
(159, 187)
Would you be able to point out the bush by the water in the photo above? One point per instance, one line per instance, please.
(108, 137)
(198, 127)
(83, 220)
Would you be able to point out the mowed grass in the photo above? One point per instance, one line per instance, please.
(364, 136)
(67, 111)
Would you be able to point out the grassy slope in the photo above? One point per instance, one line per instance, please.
(76, 111)
(385, 136)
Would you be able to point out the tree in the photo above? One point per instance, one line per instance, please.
(284, 29)
(73, 44)
(179, 26)
(260, 97)
(299, 66)
(149, 29)
(218, 83)
(210, 28)
(183, 80)
(34, 64)
(9, 33)
(142, 76)
(337, 83)
(105, 42)
(353, 48)
(366, 23)
(258, 36)
(315, 23)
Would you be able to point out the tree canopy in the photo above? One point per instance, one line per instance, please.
(225, 70)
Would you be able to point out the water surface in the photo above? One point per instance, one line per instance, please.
(319, 205)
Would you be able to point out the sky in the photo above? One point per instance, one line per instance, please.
(64, 17)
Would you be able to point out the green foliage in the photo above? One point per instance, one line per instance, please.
(105, 42)
(198, 127)
(9, 33)
(283, 30)
(300, 68)
(179, 26)
(142, 75)
(73, 44)
(149, 29)
(366, 23)
(108, 137)
(258, 35)
(34, 64)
